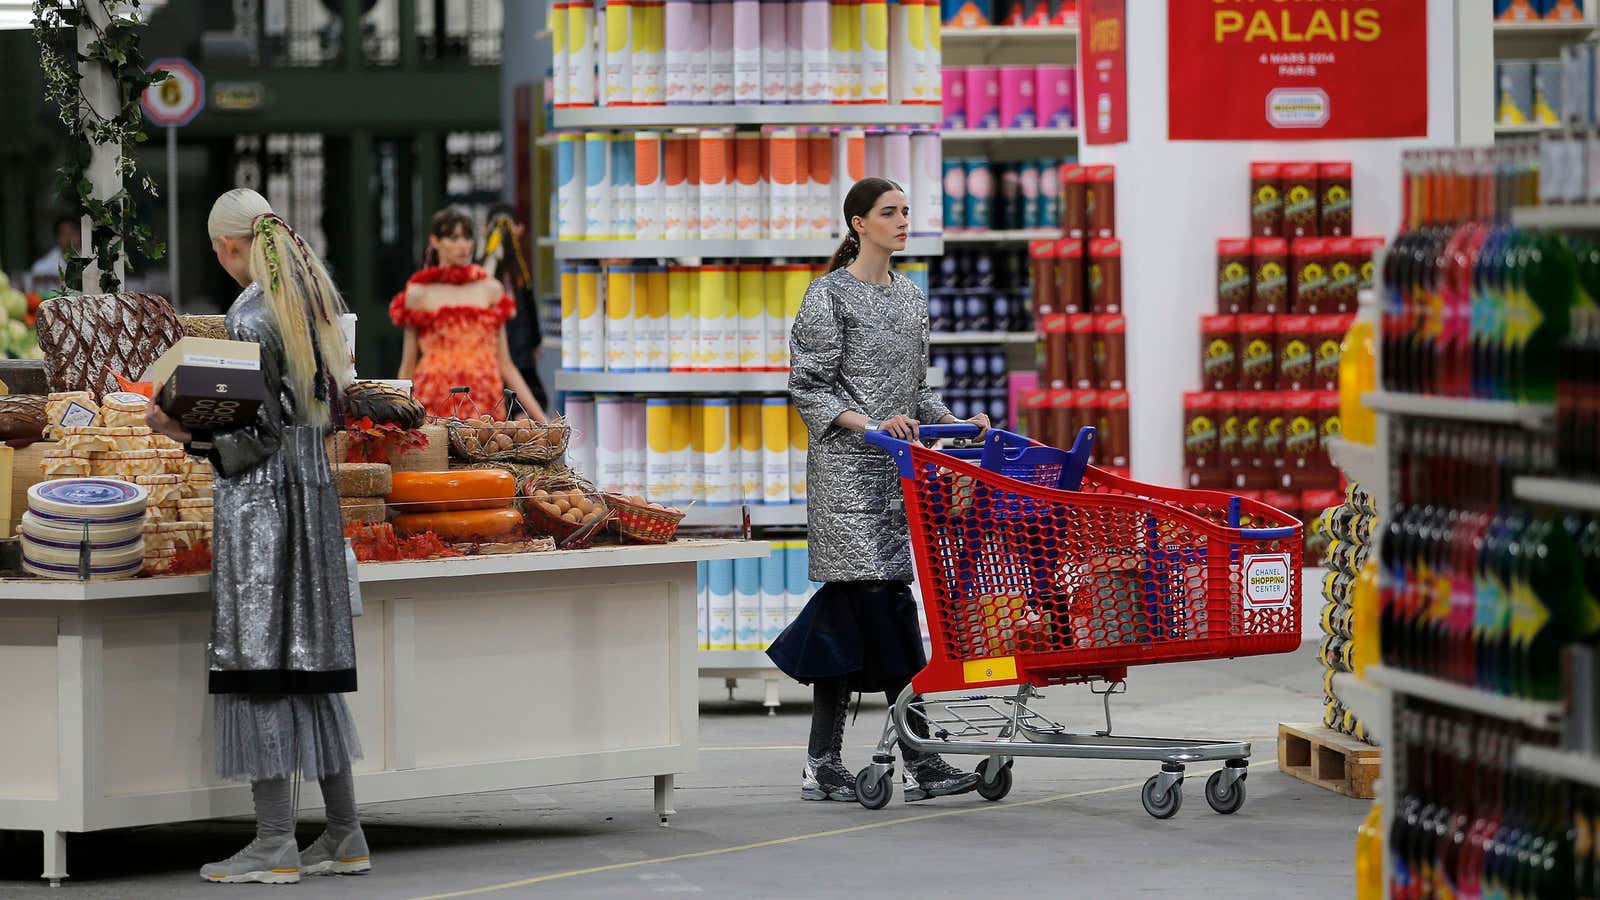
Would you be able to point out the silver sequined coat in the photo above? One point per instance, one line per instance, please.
(862, 347)
(280, 599)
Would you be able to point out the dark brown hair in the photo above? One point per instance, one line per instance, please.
(863, 195)
(446, 222)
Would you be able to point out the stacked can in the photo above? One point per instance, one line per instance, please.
(1348, 530)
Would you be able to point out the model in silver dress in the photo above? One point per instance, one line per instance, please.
(282, 649)
(859, 361)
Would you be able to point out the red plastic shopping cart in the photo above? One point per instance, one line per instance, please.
(1037, 569)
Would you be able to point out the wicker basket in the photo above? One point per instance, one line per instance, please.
(567, 535)
(641, 523)
(476, 442)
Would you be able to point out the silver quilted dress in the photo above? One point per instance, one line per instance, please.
(861, 347)
(282, 652)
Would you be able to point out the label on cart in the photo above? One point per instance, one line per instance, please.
(983, 671)
(1266, 581)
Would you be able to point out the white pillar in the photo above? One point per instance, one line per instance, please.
(1174, 199)
(100, 93)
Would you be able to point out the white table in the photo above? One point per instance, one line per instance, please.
(476, 674)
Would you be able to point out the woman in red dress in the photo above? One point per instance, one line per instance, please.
(454, 315)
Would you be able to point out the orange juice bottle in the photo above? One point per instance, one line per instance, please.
(1358, 374)
(1365, 615)
(1369, 856)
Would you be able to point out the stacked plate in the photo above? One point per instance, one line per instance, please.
(77, 528)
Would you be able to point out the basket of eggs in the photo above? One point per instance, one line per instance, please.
(482, 439)
(642, 522)
(569, 514)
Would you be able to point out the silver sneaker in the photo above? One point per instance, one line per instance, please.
(270, 861)
(328, 855)
(827, 779)
(931, 776)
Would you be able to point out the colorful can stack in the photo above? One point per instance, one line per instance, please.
(1012, 97)
(745, 604)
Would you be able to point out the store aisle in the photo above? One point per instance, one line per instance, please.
(742, 831)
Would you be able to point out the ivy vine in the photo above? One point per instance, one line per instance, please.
(114, 226)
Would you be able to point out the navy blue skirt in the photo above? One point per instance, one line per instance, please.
(864, 631)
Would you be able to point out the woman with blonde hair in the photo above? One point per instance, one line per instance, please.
(282, 653)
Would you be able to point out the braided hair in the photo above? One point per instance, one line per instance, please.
(863, 195)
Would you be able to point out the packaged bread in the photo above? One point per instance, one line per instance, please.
(159, 562)
(362, 479)
(173, 462)
(194, 510)
(65, 466)
(83, 439)
(123, 409)
(69, 409)
(175, 535)
(162, 442)
(197, 488)
(164, 490)
(126, 464)
(158, 514)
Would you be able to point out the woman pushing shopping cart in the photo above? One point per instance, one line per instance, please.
(1037, 569)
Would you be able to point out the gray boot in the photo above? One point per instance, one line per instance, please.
(331, 855)
(274, 860)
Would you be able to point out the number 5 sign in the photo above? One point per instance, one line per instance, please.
(175, 101)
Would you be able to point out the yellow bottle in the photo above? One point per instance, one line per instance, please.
(1369, 856)
(1358, 374)
(1364, 617)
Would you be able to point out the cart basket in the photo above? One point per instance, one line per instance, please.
(1023, 582)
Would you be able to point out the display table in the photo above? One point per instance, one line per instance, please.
(477, 674)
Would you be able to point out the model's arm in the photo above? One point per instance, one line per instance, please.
(512, 376)
(408, 355)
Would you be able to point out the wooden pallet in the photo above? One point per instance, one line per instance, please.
(1328, 759)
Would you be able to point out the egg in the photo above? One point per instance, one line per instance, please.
(502, 441)
(522, 437)
(571, 515)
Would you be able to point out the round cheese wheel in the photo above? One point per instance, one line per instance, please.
(362, 479)
(71, 572)
(363, 511)
(105, 557)
(35, 527)
(91, 501)
(451, 491)
(462, 526)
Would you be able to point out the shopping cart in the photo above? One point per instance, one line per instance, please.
(1037, 569)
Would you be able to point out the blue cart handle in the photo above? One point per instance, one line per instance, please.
(1267, 534)
(901, 450)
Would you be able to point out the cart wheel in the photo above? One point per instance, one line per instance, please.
(997, 786)
(1225, 800)
(1161, 807)
(874, 788)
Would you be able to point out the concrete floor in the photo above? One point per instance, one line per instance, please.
(1068, 828)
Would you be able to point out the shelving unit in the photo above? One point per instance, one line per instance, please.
(1001, 34)
(970, 338)
(1530, 128)
(686, 382)
(986, 135)
(1576, 217)
(792, 515)
(1565, 493)
(1002, 237)
(1532, 713)
(1492, 412)
(732, 665)
(1364, 465)
(608, 117)
(735, 249)
(1579, 767)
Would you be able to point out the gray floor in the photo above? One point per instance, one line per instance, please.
(1068, 829)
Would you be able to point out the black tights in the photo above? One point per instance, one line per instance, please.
(831, 700)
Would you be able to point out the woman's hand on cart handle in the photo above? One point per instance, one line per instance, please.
(981, 420)
(902, 428)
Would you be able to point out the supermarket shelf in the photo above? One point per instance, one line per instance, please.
(970, 135)
(735, 660)
(687, 382)
(750, 249)
(1529, 128)
(1361, 463)
(791, 515)
(999, 237)
(755, 114)
(1366, 700)
(1564, 764)
(967, 338)
(1544, 716)
(1544, 29)
(960, 37)
(1575, 216)
(1500, 412)
(1559, 492)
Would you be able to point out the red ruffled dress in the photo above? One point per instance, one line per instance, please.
(459, 346)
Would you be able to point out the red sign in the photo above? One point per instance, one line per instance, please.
(1308, 70)
(1104, 113)
(176, 100)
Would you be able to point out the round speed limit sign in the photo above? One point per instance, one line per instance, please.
(175, 101)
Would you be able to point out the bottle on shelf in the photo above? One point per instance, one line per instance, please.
(1358, 365)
